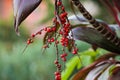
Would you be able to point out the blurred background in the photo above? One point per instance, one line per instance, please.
(32, 65)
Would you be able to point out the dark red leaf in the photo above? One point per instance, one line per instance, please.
(93, 37)
(101, 64)
(22, 9)
(117, 4)
(115, 74)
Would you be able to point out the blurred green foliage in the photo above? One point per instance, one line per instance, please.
(7, 32)
(32, 65)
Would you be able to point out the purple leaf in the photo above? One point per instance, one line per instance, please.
(100, 68)
(94, 73)
(22, 9)
(93, 37)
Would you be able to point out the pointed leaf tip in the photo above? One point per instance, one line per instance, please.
(16, 28)
(22, 9)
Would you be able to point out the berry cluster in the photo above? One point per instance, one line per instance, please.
(61, 28)
(57, 76)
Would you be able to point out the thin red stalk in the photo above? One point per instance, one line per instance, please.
(112, 10)
(117, 4)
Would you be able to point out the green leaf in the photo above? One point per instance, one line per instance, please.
(74, 64)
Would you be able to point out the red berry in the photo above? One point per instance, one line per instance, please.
(63, 20)
(59, 3)
(67, 25)
(48, 29)
(65, 54)
(65, 14)
(45, 29)
(52, 39)
(63, 44)
(61, 15)
(75, 51)
(33, 35)
(64, 59)
(29, 41)
(62, 56)
(56, 62)
(57, 73)
(53, 28)
(58, 77)
(67, 30)
(38, 32)
(66, 39)
(49, 40)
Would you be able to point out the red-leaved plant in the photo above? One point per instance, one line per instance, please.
(99, 33)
